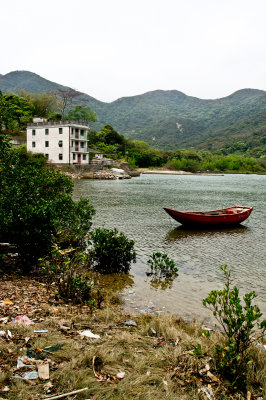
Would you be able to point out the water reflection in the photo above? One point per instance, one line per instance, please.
(161, 282)
(116, 282)
(185, 232)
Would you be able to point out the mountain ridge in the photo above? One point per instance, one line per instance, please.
(167, 118)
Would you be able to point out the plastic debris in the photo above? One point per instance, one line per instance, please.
(88, 334)
(2, 333)
(9, 334)
(22, 362)
(43, 371)
(262, 346)
(130, 323)
(64, 328)
(8, 302)
(41, 331)
(5, 389)
(208, 392)
(27, 375)
(23, 319)
(30, 375)
(121, 375)
(152, 332)
(41, 354)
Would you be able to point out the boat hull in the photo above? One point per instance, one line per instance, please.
(224, 217)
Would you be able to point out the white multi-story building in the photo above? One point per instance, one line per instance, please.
(64, 142)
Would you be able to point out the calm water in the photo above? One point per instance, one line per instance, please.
(135, 208)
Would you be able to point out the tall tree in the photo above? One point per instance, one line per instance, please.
(15, 111)
(44, 104)
(82, 113)
(66, 99)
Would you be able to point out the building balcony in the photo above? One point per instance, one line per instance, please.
(75, 136)
(79, 150)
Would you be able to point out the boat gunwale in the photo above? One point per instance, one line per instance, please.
(208, 213)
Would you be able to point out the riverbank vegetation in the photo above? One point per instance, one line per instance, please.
(140, 155)
(238, 156)
(142, 358)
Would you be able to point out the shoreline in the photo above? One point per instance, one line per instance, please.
(170, 172)
(69, 348)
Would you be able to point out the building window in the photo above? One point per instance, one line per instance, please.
(72, 143)
(60, 143)
(82, 132)
(60, 130)
(84, 156)
(46, 131)
(82, 145)
(33, 132)
(72, 131)
(60, 156)
(74, 156)
(33, 144)
(46, 143)
(47, 155)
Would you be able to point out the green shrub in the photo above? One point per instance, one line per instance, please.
(162, 271)
(65, 268)
(36, 207)
(161, 265)
(238, 323)
(111, 251)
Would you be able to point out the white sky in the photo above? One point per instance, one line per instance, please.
(115, 48)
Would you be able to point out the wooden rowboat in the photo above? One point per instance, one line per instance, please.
(224, 217)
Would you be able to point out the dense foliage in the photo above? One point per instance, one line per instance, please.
(81, 113)
(139, 154)
(111, 251)
(36, 207)
(15, 112)
(171, 119)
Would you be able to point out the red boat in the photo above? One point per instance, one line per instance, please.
(224, 217)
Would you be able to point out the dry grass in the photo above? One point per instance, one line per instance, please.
(158, 367)
(149, 362)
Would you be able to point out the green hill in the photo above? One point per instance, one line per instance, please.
(170, 119)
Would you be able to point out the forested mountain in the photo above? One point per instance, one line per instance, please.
(170, 119)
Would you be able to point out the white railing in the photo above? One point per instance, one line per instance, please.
(65, 122)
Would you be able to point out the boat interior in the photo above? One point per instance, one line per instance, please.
(233, 210)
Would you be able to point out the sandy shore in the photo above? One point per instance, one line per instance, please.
(170, 172)
(162, 171)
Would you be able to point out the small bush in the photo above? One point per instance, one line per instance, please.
(162, 271)
(64, 267)
(238, 323)
(111, 251)
(161, 265)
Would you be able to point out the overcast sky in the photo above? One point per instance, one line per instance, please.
(115, 48)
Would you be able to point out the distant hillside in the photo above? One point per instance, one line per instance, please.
(33, 83)
(170, 119)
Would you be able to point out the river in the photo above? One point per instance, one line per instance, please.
(135, 207)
